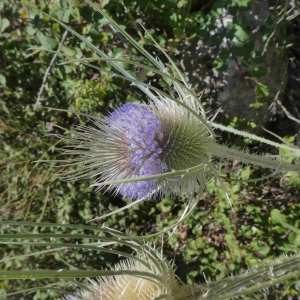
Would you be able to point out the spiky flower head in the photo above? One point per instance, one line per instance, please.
(154, 281)
(138, 140)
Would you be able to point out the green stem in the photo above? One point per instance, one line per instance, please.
(255, 137)
(260, 286)
(254, 159)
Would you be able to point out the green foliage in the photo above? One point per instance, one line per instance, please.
(214, 240)
(261, 90)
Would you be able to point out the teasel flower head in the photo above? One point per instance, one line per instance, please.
(140, 278)
(143, 275)
(138, 140)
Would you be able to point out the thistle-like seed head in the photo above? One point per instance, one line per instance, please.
(122, 286)
(140, 140)
(138, 287)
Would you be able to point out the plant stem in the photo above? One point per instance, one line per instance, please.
(254, 159)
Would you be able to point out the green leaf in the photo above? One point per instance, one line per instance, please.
(48, 43)
(69, 51)
(104, 2)
(165, 208)
(192, 246)
(219, 64)
(261, 90)
(2, 80)
(4, 23)
(182, 3)
(242, 3)
(256, 105)
(241, 35)
(175, 17)
(199, 243)
(295, 181)
(4, 107)
(252, 124)
(168, 202)
(95, 34)
(277, 217)
(66, 15)
(245, 174)
(231, 243)
(118, 53)
(294, 239)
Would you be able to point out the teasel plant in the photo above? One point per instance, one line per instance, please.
(143, 273)
(161, 147)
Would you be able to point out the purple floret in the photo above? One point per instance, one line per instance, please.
(142, 151)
